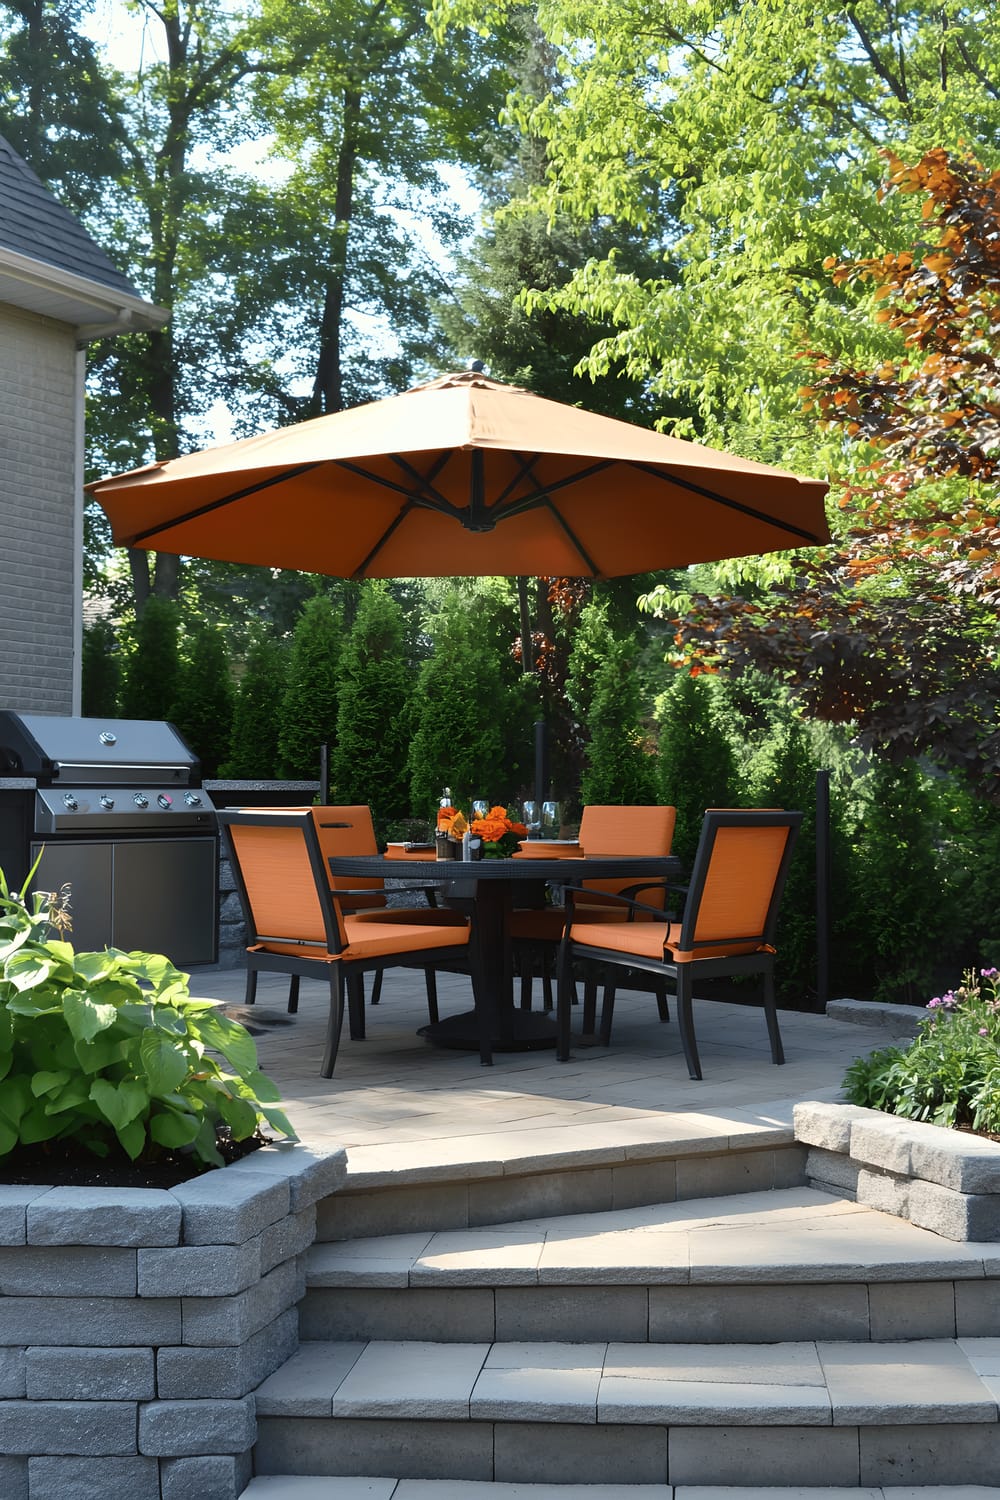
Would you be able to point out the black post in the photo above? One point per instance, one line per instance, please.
(324, 775)
(823, 873)
(541, 767)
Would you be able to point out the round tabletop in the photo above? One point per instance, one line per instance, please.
(566, 870)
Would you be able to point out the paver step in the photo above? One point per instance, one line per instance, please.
(782, 1265)
(858, 1413)
(297, 1487)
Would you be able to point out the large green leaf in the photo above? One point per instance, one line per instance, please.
(102, 1052)
(166, 1018)
(8, 1137)
(26, 971)
(15, 1098)
(230, 1038)
(263, 1087)
(37, 1126)
(240, 1116)
(164, 1064)
(119, 1103)
(75, 1095)
(172, 1129)
(279, 1121)
(48, 1083)
(132, 1138)
(85, 1019)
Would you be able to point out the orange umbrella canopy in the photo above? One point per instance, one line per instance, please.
(464, 476)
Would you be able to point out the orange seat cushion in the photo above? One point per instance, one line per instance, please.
(366, 939)
(649, 940)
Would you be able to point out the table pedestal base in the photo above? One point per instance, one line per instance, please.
(531, 1032)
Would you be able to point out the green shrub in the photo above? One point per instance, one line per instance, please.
(373, 726)
(905, 911)
(253, 746)
(101, 671)
(203, 708)
(309, 705)
(950, 1073)
(697, 768)
(461, 701)
(109, 1050)
(153, 671)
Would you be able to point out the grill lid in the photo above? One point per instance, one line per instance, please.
(92, 752)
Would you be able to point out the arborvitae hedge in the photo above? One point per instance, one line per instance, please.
(461, 703)
(696, 764)
(309, 704)
(153, 673)
(373, 727)
(253, 746)
(203, 707)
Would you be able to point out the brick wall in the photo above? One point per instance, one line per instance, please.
(37, 497)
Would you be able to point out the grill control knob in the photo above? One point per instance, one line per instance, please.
(164, 800)
(107, 802)
(140, 799)
(192, 799)
(70, 801)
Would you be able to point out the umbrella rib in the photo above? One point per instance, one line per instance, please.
(668, 477)
(204, 510)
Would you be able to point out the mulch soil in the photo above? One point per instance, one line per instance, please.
(68, 1164)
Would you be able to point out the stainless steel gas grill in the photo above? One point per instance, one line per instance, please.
(117, 807)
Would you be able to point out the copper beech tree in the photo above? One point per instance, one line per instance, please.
(895, 628)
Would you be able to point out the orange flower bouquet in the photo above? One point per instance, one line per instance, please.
(499, 833)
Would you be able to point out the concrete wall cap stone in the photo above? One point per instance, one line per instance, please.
(104, 1216)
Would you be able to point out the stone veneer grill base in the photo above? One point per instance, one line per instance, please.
(944, 1180)
(135, 1323)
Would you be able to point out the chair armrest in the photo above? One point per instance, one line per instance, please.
(571, 892)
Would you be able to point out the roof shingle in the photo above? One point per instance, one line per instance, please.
(34, 223)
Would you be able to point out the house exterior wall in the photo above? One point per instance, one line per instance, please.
(40, 513)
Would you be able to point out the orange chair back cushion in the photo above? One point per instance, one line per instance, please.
(626, 830)
(357, 837)
(279, 881)
(737, 894)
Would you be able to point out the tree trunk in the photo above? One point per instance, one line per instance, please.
(328, 389)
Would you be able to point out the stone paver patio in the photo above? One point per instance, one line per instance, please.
(394, 1101)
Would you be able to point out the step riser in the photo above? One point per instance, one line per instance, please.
(505, 1196)
(713, 1314)
(555, 1452)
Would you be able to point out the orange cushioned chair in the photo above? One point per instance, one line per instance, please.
(604, 831)
(348, 831)
(297, 925)
(730, 914)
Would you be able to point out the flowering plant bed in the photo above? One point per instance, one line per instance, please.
(950, 1073)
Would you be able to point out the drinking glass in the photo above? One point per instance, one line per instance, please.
(480, 807)
(550, 820)
(530, 814)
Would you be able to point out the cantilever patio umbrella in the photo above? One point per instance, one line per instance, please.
(464, 476)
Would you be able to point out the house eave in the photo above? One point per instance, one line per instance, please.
(93, 309)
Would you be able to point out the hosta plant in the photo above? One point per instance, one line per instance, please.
(950, 1073)
(110, 1051)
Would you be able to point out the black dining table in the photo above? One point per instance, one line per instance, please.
(486, 889)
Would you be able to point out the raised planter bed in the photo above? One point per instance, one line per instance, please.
(135, 1322)
(944, 1180)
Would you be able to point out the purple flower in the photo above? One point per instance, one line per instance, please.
(935, 1004)
(989, 973)
(983, 1031)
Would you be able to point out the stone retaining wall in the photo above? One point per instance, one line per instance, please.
(944, 1180)
(135, 1323)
